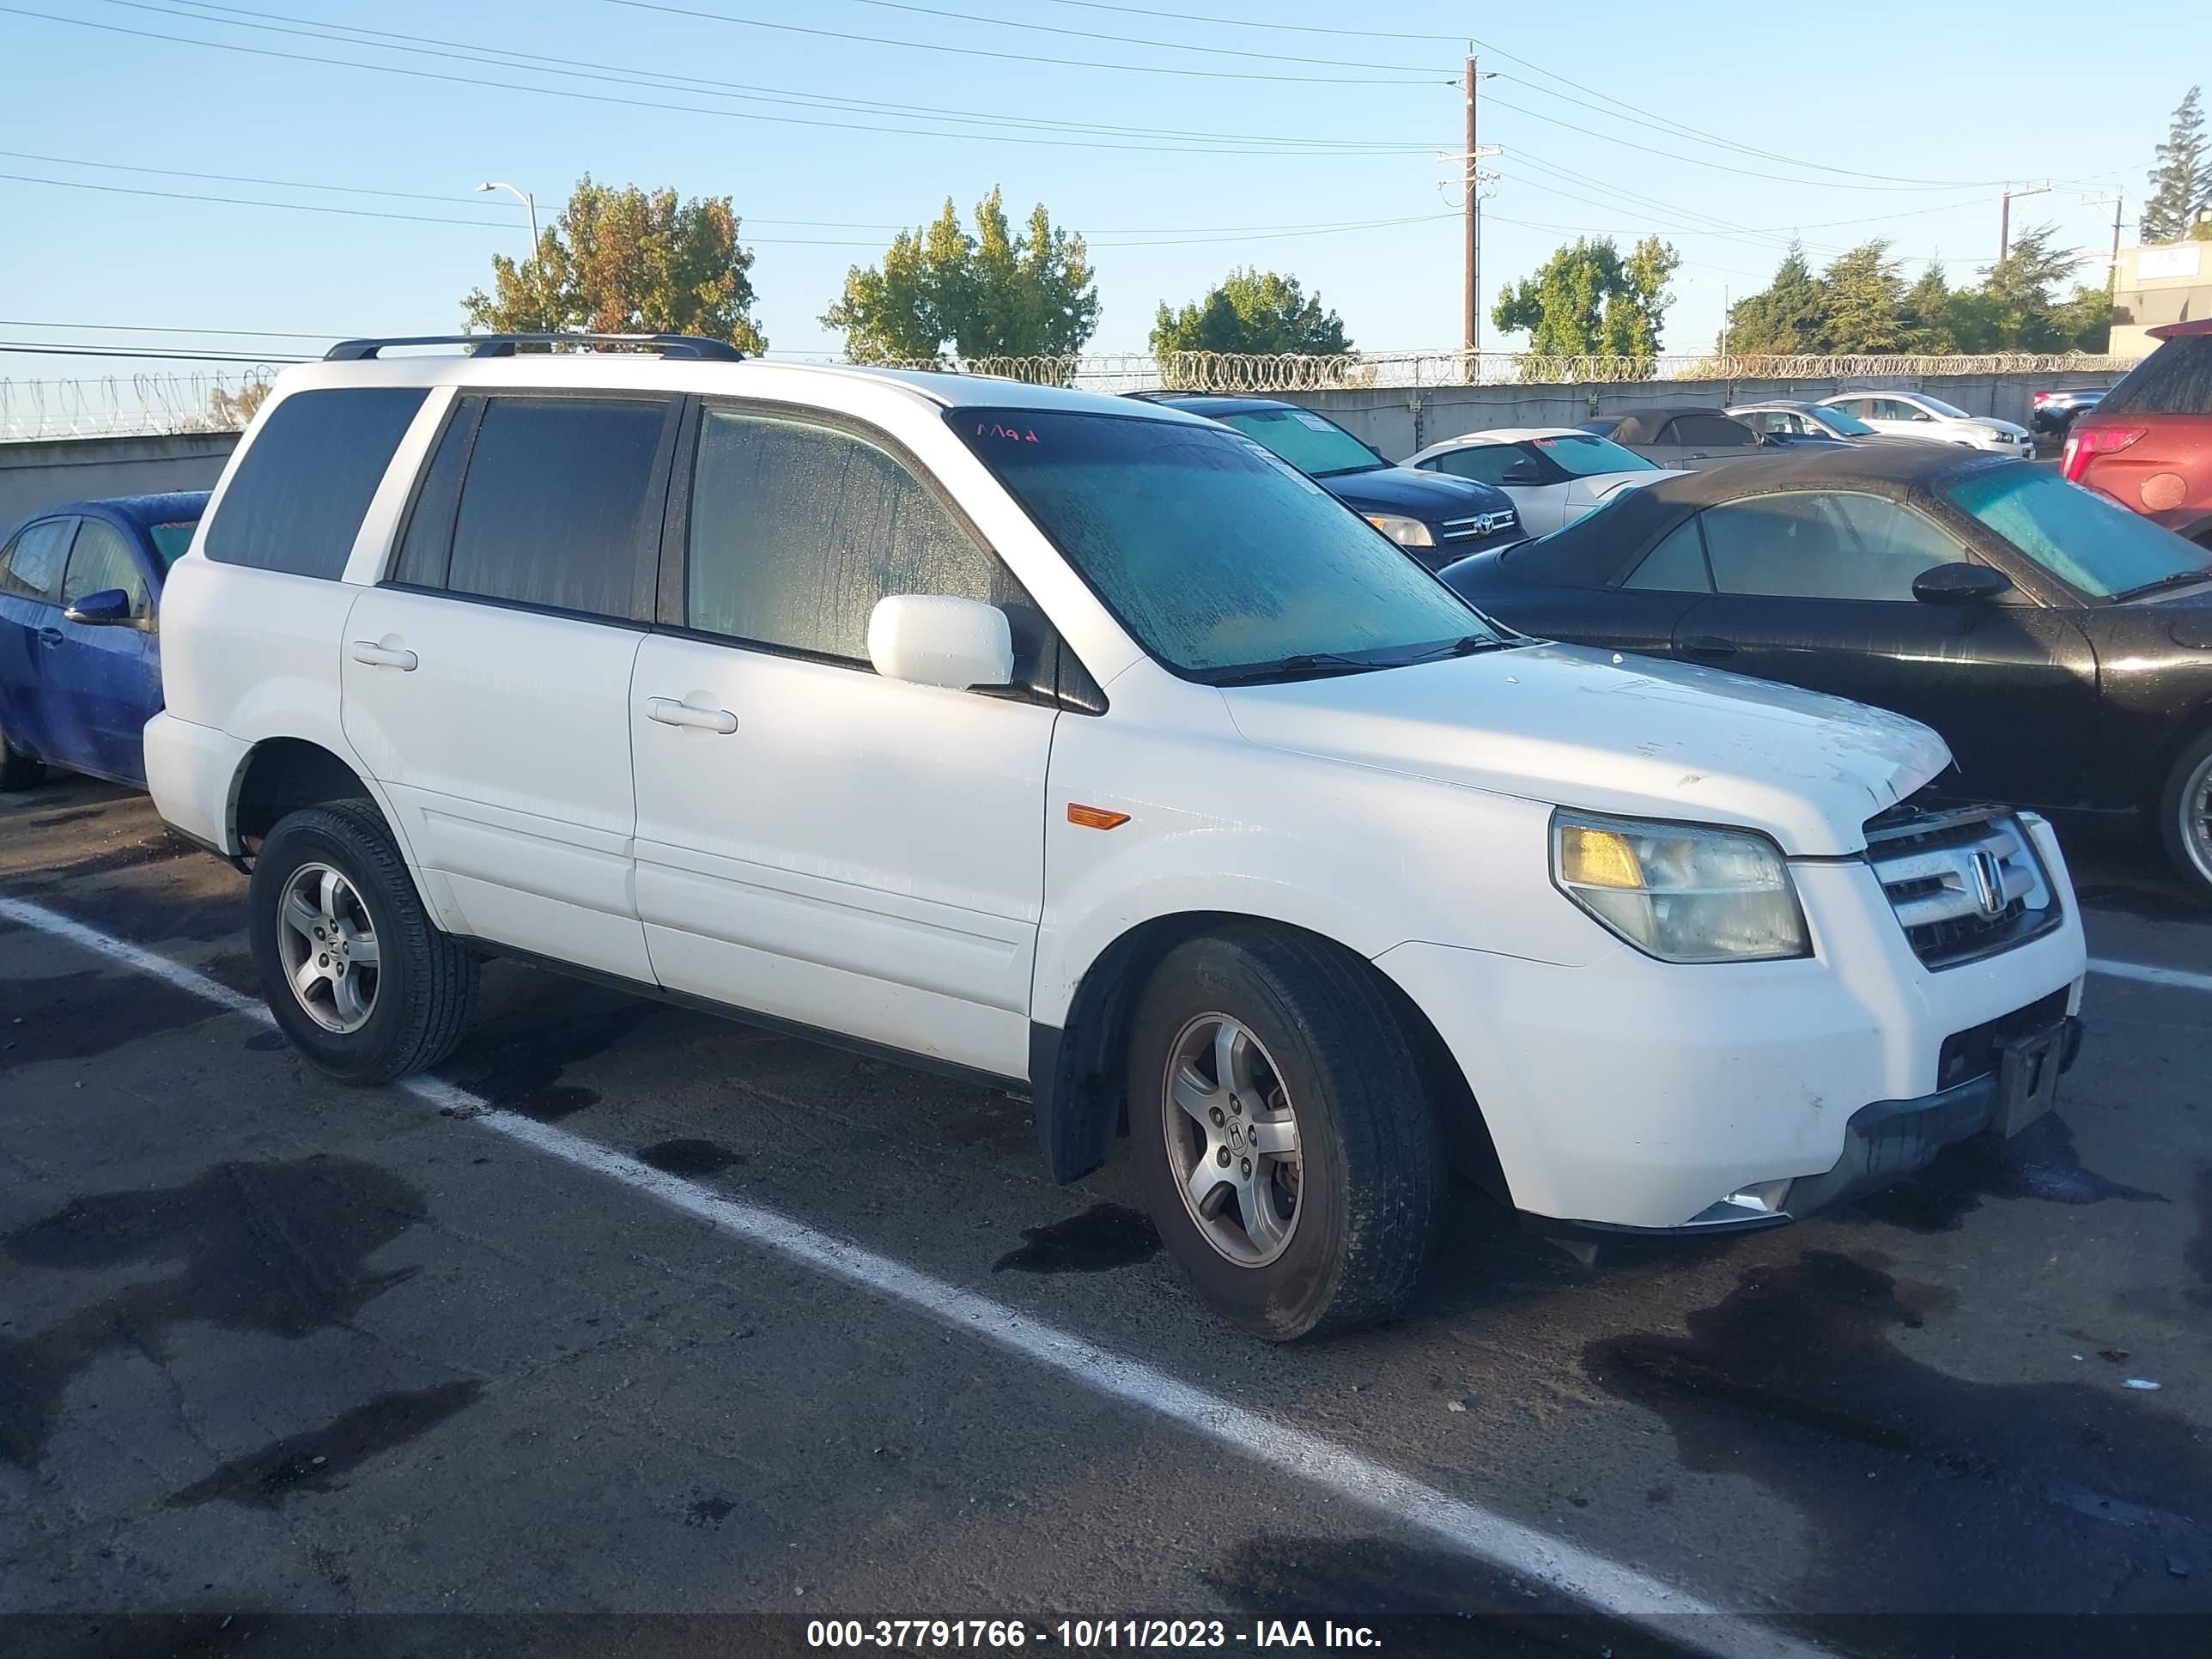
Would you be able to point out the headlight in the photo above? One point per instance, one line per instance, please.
(1406, 532)
(1678, 891)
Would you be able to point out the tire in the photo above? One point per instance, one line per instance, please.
(1321, 1048)
(2184, 816)
(402, 1015)
(17, 769)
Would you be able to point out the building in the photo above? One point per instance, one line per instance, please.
(2165, 283)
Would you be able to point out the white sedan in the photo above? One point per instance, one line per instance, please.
(1554, 474)
(1916, 414)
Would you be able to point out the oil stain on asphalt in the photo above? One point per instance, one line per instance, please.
(1096, 1240)
(77, 1016)
(1921, 1487)
(314, 1461)
(276, 1248)
(692, 1159)
(2040, 1163)
(516, 1062)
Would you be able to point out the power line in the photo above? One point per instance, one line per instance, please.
(151, 328)
(47, 348)
(623, 74)
(235, 178)
(1020, 56)
(237, 201)
(477, 83)
(1247, 23)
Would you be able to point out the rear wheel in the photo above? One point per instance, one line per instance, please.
(2184, 816)
(1290, 1158)
(352, 967)
(17, 769)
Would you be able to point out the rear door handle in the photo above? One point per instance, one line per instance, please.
(378, 656)
(672, 711)
(1706, 646)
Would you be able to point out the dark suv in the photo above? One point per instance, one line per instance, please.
(1437, 520)
(2149, 444)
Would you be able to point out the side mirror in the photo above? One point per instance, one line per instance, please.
(929, 640)
(107, 608)
(1378, 454)
(1523, 472)
(1960, 583)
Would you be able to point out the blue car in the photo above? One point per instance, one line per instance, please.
(80, 664)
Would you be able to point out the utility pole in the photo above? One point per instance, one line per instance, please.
(2004, 222)
(1471, 333)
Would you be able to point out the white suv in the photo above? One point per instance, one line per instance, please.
(1080, 746)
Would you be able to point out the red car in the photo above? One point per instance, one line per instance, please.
(2149, 444)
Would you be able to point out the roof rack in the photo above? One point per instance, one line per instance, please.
(503, 345)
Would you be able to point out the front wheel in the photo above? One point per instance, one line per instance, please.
(1289, 1157)
(352, 967)
(2184, 816)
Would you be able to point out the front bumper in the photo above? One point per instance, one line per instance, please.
(1633, 1095)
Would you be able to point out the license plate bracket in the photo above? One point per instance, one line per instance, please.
(2028, 1066)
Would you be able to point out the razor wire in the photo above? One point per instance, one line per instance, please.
(138, 405)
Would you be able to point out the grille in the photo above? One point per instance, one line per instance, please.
(1964, 884)
(1481, 524)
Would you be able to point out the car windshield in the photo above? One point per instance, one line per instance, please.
(1317, 446)
(170, 540)
(1842, 421)
(2080, 537)
(1585, 456)
(1937, 406)
(1218, 557)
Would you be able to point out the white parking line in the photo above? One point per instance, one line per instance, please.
(2179, 978)
(1481, 1534)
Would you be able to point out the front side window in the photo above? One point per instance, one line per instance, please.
(2082, 537)
(561, 504)
(1936, 405)
(295, 503)
(1485, 463)
(100, 560)
(1317, 446)
(796, 530)
(1842, 421)
(171, 540)
(31, 568)
(1215, 557)
(1584, 457)
(1823, 544)
(1712, 432)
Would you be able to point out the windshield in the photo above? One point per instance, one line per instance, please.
(1938, 406)
(1584, 457)
(170, 540)
(1842, 421)
(2077, 535)
(1317, 447)
(1215, 556)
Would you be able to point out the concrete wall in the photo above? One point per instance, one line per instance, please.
(1398, 420)
(38, 475)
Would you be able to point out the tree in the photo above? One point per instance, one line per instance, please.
(1588, 300)
(1925, 313)
(1864, 299)
(2084, 320)
(2019, 288)
(628, 261)
(1788, 317)
(1251, 311)
(991, 294)
(2181, 182)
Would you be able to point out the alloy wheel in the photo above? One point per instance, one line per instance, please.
(1232, 1140)
(327, 945)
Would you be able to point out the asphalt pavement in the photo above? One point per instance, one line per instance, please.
(634, 1312)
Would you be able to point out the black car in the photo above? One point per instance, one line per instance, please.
(1686, 438)
(2060, 644)
(1434, 518)
(2056, 411)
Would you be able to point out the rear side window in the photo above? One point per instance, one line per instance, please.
(100, 560)
(1710, 431)
(32, 568)
(797, 530)
(2174, 379)
(1677, 565)
(296, 501)
(561, 505)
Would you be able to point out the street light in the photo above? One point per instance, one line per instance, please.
(530, 205)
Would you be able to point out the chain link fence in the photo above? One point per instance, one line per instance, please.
(117, 406)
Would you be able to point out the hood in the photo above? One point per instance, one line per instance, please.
(1428, 496)
(1995, 425)
(1570, 726)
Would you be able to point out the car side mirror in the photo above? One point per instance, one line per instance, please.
(1521, 472)
(107, 608)
(928, 639)
(1377, 454)
(1960, 583)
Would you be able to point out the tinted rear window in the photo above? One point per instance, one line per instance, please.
(2174, 379)
(562, 503)
(296, 501)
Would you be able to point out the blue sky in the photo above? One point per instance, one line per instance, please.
(1916, 116)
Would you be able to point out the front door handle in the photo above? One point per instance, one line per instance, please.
(50, 635)
(672, 711)
(1709, 646)
(378, 656)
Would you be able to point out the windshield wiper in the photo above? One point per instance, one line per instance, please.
(2177, 579)
(1305, 664)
